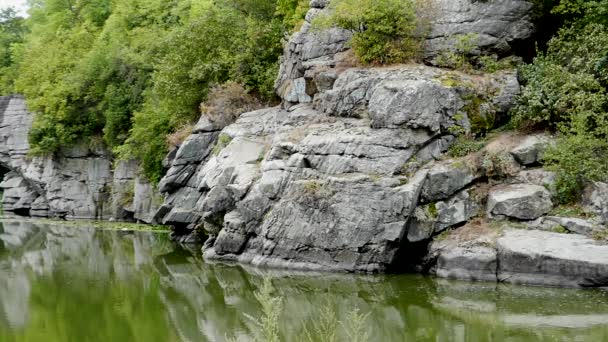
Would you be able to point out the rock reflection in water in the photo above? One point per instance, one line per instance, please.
(61, 283)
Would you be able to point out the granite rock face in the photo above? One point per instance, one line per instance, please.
(497, 26)
(327, 185)
(530, 150)
(314, 59)
(595, 200)
(75, 183)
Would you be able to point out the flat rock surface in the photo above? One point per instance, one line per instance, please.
(522, 256)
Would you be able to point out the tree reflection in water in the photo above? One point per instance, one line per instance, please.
(61, 283)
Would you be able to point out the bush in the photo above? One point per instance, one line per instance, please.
(577, 160)
(227, 102)
(385, 31)
(566, 91)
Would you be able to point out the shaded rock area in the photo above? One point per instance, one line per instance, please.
(75, 183)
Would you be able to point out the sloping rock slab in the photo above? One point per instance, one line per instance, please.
(551, 259)
(527, 257)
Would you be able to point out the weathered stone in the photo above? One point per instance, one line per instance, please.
(595, 200)
(519, 256)
(536, 176)
(530, 149)
(570, 224)
(445, 179)
(476, 262)
(521, 201)
(496, 26)
(551, 259)
(457, 210)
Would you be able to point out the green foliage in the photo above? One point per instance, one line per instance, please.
(462, 56)
(293, 12)
(464, 146)
(223, 141)
(135, 71)
(12, 33)
(384, 30)
(272, 309)
(577, 159)
(572, 210)
(566, 91)
(582, 12)
(560, 230)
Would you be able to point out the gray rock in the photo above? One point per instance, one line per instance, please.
(535, 176)
(570, 224)
(311, 55)
(595, 200)
(76, 183)
(495, 25)
(520, 201)
(433, 218)
(475, 262)
(447, 178)
(530, 149)
(550, 259)
(457, 210)
(519, 256)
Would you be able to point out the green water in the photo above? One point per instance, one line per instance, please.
(65, 283)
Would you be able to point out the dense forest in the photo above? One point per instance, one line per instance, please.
(131, 73)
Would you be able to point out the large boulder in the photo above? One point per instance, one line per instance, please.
(497, 26)
(519, 201)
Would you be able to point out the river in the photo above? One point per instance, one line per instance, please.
(71, 282)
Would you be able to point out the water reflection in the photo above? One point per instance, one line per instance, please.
(61, 283)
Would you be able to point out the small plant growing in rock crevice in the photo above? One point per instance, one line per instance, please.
(499, 164)
(222, 141)
(465, 145)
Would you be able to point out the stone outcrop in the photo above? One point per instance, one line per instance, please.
(327, 185)
(497, 26)
(350, 172)
(313, 59)
(522, 257)
(520, 201)
(75, 183)
(595, 200)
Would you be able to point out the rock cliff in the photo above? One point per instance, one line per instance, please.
(351, 171)
(77, 183)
